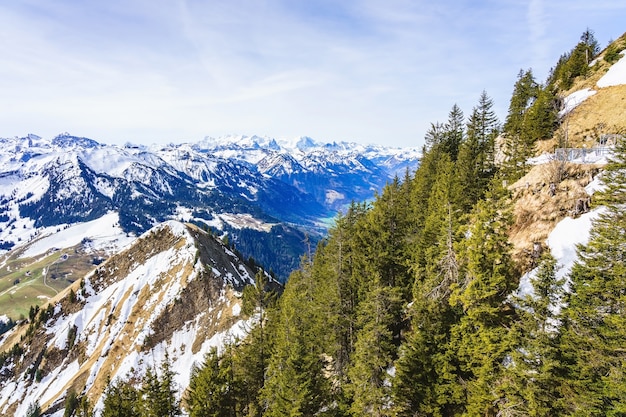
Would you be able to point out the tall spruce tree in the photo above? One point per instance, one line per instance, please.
(536, 367)
(476, 164)
(374, 351)
(297, 377)
(158, 392)
(453, 133)
(481, 338)
(121, 399)
(426, 366)
(519, 140)
(594, 326)
(210, 388)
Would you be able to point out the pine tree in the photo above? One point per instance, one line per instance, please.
(374, 351)
(209, 388)
(594, 326)
(536, 368)
(481, 339)
(592, 46)
(434, 136)
(384, 233)
(34, 410)
(454, 132)
(298, 375)
(476, 164)
(519, 140)
(425, 367)
(121, 399)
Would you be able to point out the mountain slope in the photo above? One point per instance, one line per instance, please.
(173, 291)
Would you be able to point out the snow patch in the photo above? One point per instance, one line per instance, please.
(616, 75)
(565, 237)
(246, 221)
(103, 233)
(575, 99)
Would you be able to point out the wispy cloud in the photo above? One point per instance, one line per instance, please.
(369, 70)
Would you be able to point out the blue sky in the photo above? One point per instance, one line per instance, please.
(370, 71)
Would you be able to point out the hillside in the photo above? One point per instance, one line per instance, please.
(592, 120)
(174, 291)
(593, 106)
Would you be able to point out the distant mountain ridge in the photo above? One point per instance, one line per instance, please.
(288, 188)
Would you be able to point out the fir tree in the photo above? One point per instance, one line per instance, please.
(594, 327)
(121, 399)
(208, 391)
(519, 140)
(34, 410)
(476, 164)
(374, 351)
(481, 339)
(454, 132)
(297, 381)
(536, 369)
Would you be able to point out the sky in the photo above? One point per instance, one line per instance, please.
(367, 71)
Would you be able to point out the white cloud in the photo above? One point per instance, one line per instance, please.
(369, 70)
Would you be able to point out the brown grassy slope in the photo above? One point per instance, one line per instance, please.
(536, 211)
(602, 113)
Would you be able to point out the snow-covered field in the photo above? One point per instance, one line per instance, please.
(104, 233)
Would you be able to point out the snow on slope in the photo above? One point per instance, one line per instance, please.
(615, 76)
(574, 100)
(121, 305)
(562, 241)
(567, 234)
(105, 233)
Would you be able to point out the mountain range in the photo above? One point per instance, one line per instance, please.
(265, 195)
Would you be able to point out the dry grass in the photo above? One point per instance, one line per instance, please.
(536, 210)
(602, 113)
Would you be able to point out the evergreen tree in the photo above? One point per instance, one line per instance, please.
(160, 392)
(542, 118)
(34, 410)
(374, 351)
(208, 394)
(425, 365)
(383, 235)
(481, 339)
(536, 368)
(297, 376)
(594, 327)
(453, 134)
(592, 46)
(519, 140)
(434, 136)
(121, 399)
(476, 164)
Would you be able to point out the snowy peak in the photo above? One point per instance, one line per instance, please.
(300, 183)
(65, 140)
(173, 291)
(279, 164)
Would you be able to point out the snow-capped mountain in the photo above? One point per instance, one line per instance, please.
(334, 173)
(175, 291)
(257, 190)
